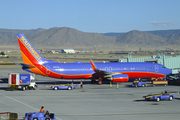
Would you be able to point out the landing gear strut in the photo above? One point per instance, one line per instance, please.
(100, 81)
(93, 81)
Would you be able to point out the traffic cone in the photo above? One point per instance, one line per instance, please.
(110, 84)
(117, 86)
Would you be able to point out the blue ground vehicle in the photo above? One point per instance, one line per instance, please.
(163, 96)
(39, 116)
(138, 83)
(63, 86)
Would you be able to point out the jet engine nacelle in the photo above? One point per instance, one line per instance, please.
(120, 78)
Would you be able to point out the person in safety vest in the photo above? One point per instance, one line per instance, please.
(46, 113)
(42, 109)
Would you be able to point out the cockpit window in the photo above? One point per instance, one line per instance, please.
(163, 67)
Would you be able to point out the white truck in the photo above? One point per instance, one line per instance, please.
(22, 81)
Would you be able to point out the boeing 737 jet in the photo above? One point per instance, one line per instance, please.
(115, 72)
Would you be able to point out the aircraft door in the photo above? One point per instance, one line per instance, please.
(106, 69)
(156, 68)
(110, 69)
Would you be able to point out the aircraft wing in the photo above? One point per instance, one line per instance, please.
(97, 71)
(100, 74)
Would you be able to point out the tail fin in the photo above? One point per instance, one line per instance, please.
(93, 65)
(29, 53)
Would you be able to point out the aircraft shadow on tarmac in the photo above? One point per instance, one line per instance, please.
(50, 82)
(3, 88)
(4, 80)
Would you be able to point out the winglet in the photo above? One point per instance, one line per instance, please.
(58, 61)
(93, 65)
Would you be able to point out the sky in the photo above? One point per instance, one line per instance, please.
(95, 16)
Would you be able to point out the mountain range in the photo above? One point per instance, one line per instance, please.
(63, 37)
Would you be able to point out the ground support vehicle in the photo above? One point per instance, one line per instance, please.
(62, 86)
(39, 116)
(159, 82)
(165, 95)
(138, 83)
(8, 116)
(21, 81)
(174, 79)
(173, 76)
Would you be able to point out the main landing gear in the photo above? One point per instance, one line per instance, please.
(99, 82)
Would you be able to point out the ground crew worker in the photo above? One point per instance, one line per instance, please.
(42, 109)
(81, 83)
(46, 113)
(152, 79)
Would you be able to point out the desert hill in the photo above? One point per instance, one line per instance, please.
(138, 38)
(64, 37)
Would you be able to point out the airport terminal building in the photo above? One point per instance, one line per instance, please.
(67, 51)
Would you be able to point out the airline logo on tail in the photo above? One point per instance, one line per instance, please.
(30, 48)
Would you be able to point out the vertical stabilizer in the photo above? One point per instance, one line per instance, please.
(30, 55)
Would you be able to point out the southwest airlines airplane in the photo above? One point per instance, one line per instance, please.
(115, 72)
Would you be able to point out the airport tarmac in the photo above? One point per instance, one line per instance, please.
(93, 102)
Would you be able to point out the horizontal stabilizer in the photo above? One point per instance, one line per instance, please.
(25, 66)
(58, 61)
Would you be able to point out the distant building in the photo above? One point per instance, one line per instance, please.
(171, 53)
(67, 51)
(4, 56)
(54, 52)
